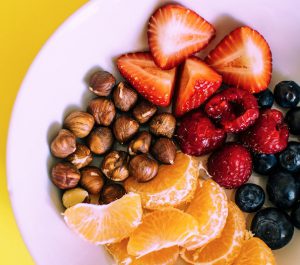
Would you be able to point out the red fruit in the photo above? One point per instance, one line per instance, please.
(151, 82)
(197, 135)
(197, 83)
(175, 33)
(269, 135)
(234, 108)
(231, 166)
(244, 59)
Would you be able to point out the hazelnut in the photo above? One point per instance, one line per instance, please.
(65, 175)
(92, 179)
(163, 124)
(124, 97)
(81, 157)
(141, 144)
(125, 128)
(101, 83)
(103, 110)
(80, 123)
(100, 140)
(63, 144)
(115, 165)
(143, 168)
(111, 192)
(74, 196)
(143, 111)
(164, 150)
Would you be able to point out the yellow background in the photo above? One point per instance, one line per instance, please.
(25, 25)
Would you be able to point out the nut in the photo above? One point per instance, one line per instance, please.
(74, 196)
(141, 144)
(124, 97)
(63, 144)
(143, 111)
(81, 157)
(111, 193)
(164, 150)
(125, 128)
(115, 165)
(80, 123)
(143, 168)
(65, 175)
(103, 110)
(100, 140)
(101, 83)
(163, 124)
(92, 179)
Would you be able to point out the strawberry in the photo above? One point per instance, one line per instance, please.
(151, 82)
(244, 59)
(197, 83)
(175, 33)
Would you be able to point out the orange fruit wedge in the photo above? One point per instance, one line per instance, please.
(162, 229)
(174, 184)
(104, 224)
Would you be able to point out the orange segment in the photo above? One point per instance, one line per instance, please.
(173, 185)
(104, 224)
(162, 229)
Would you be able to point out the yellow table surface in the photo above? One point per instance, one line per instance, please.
(24, 27)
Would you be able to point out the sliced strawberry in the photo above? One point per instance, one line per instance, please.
(175, 33)
(151, 82)
(197, 83)
(244, 59)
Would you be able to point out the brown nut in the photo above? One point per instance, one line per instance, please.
(63, 144)
(141, 144)
(65, 175)
(143, 168)
(143, 111)
(80, 123)
(81, 157)
(163, 125)
(92, 179)
(124, 97)
(74, 196)
(101, 83)
(164, 150)
(100, 140)
(111, 192)
(103, 111)
(115, 165)
(125, 128)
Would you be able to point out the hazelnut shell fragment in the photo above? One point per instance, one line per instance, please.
(100, 140)
(124, 97)
(92, 179)
(101, 83)
(163, 125)
(63, 144)
(65, 175)
(143, 168)
(144, 111)
(74, 196)
(125, 128)
(164, 150)
(81, 157)
(141, 144)
(111, 192)
(103, 110)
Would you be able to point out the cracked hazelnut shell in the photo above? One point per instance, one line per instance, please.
(124, 97)
(81, 157)
(65, 175)
(63, 144)
(125, 128)
(103, 110)
(163, 125)
(100, 140)
(144, 111)
(101, 83)
(141, 144)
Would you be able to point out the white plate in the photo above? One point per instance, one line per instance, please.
(56, 84)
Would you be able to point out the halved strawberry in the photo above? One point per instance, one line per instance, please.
(175, 33)
(244, 59)
(151, 82)
(197, 83)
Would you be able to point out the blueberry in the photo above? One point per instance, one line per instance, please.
(264, 164)
(250, 197)
(289, 159)
(282, 189)
(265, 99)
(273, 226)
(287, 94)
(293, 120)
(295, 216)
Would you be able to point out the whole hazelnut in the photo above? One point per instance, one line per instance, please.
(74, 196)
(141, 144)
(63, 144)
(143, 168)
(101, 83)
(115, 165)
(100, 140)
(124, 97)
(163, 125)
(164, 150)
(111, 192)
(143, 111)
(125, 128)
(92, 179)
(81, 157)
(103, 110)
(65, 175)
(80, 123)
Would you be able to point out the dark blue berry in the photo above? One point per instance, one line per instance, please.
(295, 216)
(293, 120)
(287, 94)
(265, 99)
(250, 197)
(273, 226)
(289, 159)
(264, 164)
